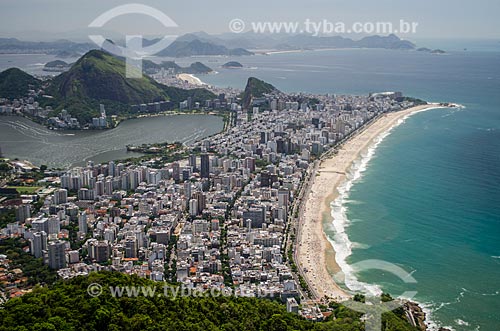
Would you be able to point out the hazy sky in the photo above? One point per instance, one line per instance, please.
(50, 19)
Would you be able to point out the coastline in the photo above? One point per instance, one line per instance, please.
(191, 79)
(316, 256)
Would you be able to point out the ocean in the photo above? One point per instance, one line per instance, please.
(427, 198)
(31, 63)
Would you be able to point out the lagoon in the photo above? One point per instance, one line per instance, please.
(23, 139)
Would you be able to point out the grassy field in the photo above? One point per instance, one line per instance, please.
(25, 189)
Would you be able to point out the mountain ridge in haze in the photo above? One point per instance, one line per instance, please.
(204, 44)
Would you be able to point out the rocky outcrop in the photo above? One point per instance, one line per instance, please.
(415, 315)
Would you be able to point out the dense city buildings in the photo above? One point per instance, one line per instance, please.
(220, 218)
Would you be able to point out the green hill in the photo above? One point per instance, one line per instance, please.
(56, 63)
(232, 64)
(197, 68)
(255, 88)
(196, 47)
(149, 66)
(15, 83)
(99, 77)
(67, 306)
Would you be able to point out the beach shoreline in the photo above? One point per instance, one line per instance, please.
(191, 79)
(316, 257)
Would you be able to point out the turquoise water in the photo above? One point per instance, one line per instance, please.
(429, 200)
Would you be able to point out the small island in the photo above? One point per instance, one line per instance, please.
(432, 51)
(56, 66)
(424, 49)
(438, 51)
(151, 67)
(232, 65)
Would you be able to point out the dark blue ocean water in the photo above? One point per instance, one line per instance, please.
(429, 200)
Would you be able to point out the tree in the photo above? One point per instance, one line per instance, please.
(4, 167)
(67, 306)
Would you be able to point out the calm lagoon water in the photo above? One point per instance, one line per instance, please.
(23, 139)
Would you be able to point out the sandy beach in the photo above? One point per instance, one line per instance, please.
(191, 79)
(314, 253)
